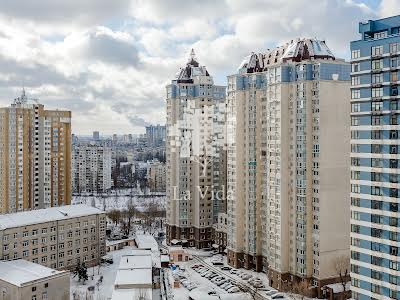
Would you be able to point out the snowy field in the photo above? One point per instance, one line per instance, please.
(120, 201)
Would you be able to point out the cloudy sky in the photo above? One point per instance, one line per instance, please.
(109, 60)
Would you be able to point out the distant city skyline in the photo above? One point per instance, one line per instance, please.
(111, 64)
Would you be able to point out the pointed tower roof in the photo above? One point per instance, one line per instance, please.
(192, 69)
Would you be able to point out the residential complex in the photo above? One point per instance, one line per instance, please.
(22, 280)
(155, 135)
(56, 237)
(288, 145)
(375, 265)
(35, 156)
(194, 159)
(91, 168)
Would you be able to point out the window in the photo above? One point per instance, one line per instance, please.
(355, 175)
(377, 261)
(355, 53)
(376, 92)
(355, 94)
(375, 288)
(393, 105)
(376, 204)
(376, 148)
(393, 163)
(376, 78)
(376, 134)
(376, 190)
(380, 35)
(377, 64)
(393, 119)
(355, 121)
(355, 161)
(377, 50)
(378, 219)
(355, 201)
(376, 163)
(393, 148)
(355, 80)
(355, 188)
(394, 62)
(355, 107)
(393, 221)
(355, 67)
(394, 265)
(375, 176)
(394, 251)
(394, 91)
(376, 105)
(376, 120)
(355, 228)
(393, 76)
(376, 275)
(394, 47)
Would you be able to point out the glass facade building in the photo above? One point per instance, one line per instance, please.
(375, 173)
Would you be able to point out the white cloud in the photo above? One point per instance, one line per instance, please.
(109, 61)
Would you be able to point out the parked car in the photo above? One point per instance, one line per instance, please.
(234, 271)
(233, 290)
(246, 276)
(229, 286)
(217, 263)
(191, 286)
(276, 296)
(226, 268)
(222, 286)
(107, 259)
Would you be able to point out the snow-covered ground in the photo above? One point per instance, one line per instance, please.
(104, 290)
(108, 202)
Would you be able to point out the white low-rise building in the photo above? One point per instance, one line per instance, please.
(22, 280)
(135, 277)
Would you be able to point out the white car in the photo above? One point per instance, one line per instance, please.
(191, 286)
(229, 286)
(233, 290)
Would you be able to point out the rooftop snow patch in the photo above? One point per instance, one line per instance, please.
(21, 272)
(51, 214)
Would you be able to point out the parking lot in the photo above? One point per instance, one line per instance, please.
(220, 279)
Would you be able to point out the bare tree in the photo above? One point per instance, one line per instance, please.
(129, 214)
(114, 215)
(341, 265)
(142, 295)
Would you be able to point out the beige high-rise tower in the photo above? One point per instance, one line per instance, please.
(288, 163)
(35, 156)
(195, 163)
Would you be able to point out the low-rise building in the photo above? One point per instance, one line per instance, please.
(21, 280)
(56, 237)
(138, 273)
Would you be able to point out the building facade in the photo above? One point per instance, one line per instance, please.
(35, 156)
(21, 279)
(156, 176)
(56, 237)
(91, 168)
(194, 147)
(287, 163)
(155, 135)
(375, 238)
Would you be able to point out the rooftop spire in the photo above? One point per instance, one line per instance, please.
(192, 57)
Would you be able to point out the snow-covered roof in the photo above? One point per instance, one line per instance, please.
(133, 278)
(146, 242)
(129, 294)
(338, 287)
(51, 214)
(136, 262)
(296, 50)
(21, 272)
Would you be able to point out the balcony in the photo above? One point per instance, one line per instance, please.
(375, 71)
